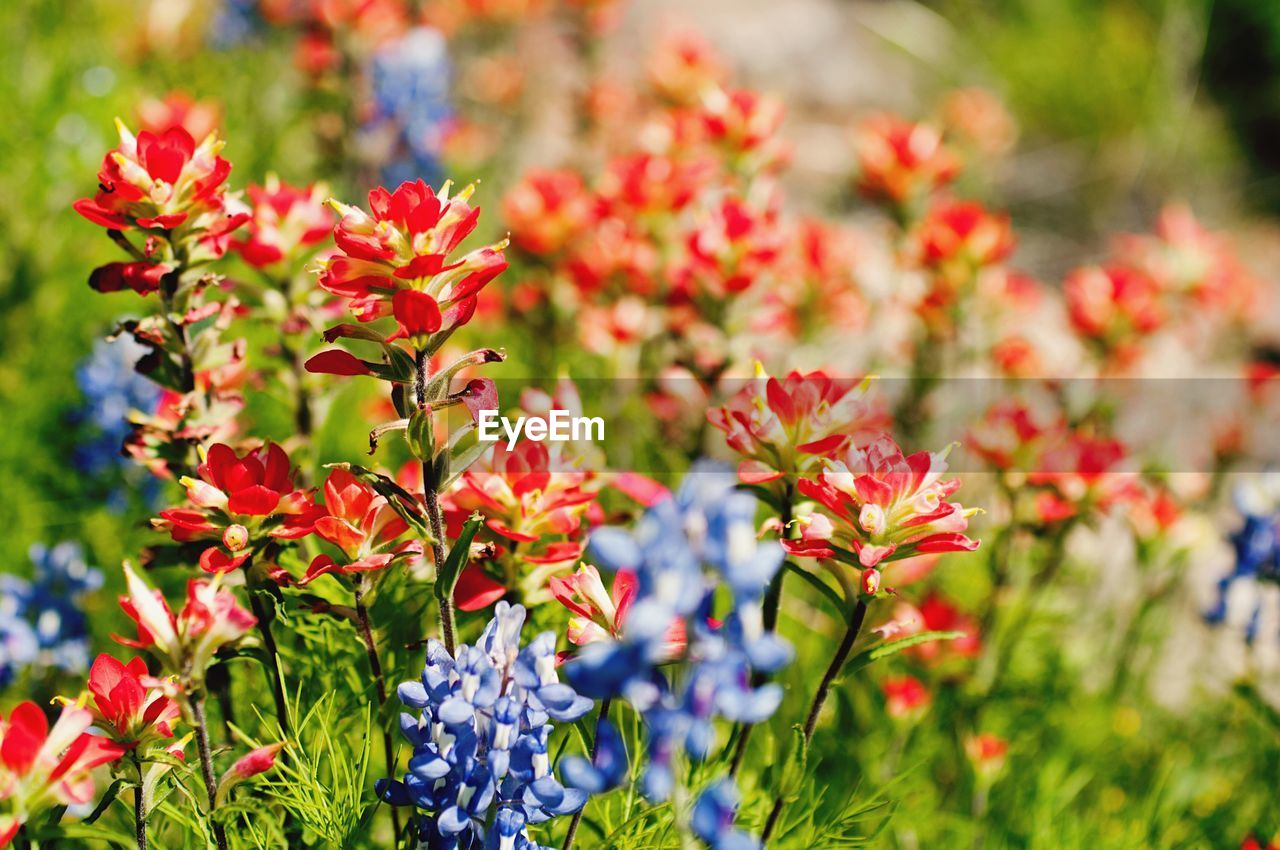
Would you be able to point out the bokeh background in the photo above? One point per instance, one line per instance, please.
(1114, 108)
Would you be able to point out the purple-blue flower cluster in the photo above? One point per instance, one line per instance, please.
(112, 388)
(411, 109)
(1241, 592)
(42, 625)
(681, 551)
(480, 765)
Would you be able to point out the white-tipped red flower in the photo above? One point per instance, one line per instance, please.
(240, 499)
(524, 500)
(161, 181)
(729, 250)
(746, 123)
(186, 643)
(128, 704)
(600, 614)
(286, 221)
(257, 761)
(403, 245)
(900, 161)
(360, 522)
(1114, 307)
(788, 426)
(885, 506)
(546, 210)
(42, 767)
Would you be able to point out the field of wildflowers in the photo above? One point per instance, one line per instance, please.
(928, 496)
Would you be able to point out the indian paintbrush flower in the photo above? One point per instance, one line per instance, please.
(886, 506)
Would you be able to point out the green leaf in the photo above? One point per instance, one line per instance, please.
(884, 650)
(793, 773)
(108, 797)
(86, 832)
(447, 575)
(821, 586)
(420, 434)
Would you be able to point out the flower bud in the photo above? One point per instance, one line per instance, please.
(236, 537)
(870, 582)
(257, 761)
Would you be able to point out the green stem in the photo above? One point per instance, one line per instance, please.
(206, 768)
(264, 617)
(431, 502)
(139, 805)
(856, 618)
(595, 748)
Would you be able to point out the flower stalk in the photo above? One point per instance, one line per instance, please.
(595, 750)
(431, 503)
(196, 703)
(851, 632)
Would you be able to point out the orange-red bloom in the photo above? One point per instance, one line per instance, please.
(404, 244)
(42, 767)
(886, 506)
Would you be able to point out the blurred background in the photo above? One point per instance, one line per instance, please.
(1102, 111)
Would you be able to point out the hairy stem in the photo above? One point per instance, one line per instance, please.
(595, 748)
(264, 618)
(206, 768)
(431, 502)
(139, 805)
(820, 698)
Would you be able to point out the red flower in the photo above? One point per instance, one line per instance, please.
(683, 67)
(1115, 307)
(404, 243)
(602, 615)
(904, 696)
(732, 248)
(186, 643)
(746, 123)
(1077, 472)
(528, 504)
(128, 703)
(199, 118)
(986, 752)
(286, 220)
(41, 768)
(963, 233)
(788, 426)
(887, 506)
(360, 522)
(522, 498)
(936, 614)
(161, 181)
(547, 210)
(257, 761)
(254, 490)
(1252, 843)
(900, 161)
(1011, 435)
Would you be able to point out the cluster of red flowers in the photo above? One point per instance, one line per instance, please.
(670, 236)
